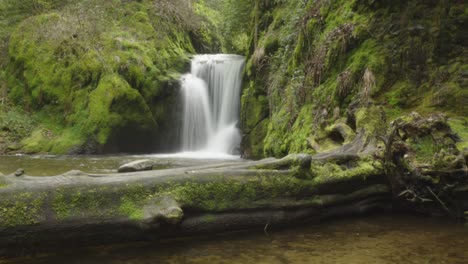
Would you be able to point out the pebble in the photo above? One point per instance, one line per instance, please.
(19, 172)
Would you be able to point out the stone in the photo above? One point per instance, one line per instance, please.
(138, 165)
(165, 209)
(19, 172)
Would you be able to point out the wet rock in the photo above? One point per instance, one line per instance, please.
(19, 172)
(164, 209)
(138, 165)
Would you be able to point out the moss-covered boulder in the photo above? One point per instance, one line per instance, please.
(100, 76)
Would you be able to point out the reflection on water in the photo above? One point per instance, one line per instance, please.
(43, 165)
(372, 239)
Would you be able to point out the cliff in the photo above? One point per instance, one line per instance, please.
(95, 76)
(319, 71)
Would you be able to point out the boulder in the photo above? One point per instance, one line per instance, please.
(19, 172)
(138, 165)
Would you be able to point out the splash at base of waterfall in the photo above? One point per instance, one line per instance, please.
(211, 94)
(197, 155)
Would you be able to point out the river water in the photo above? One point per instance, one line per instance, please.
(48, 165)
(377, 238)
(368, 239)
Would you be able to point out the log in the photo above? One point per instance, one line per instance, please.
(88, 209)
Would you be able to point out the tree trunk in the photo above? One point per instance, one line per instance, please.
(93, 209)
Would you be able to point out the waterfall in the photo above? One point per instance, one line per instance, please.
(211, 94)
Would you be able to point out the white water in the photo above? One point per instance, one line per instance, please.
(211, 105)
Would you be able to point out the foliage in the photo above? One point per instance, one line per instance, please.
(317, 62)
(15, 123)
(91, 70)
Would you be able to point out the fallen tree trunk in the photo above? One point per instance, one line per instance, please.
(89, 209)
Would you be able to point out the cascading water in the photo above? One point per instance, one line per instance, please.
(211, 104)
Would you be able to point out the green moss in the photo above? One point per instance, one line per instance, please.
(61, 207)
(372, 120)
(135, 198)
(331, 172)
(129, 208)
(113, 104)
(342, 54)
(255, 125)
(425, 149)
(225, 195)
(22, 209)
(461, 128)
(16, 123)
(87, 82)
(348, 133)
(68, 204)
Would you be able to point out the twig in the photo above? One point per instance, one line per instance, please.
(440, 201)
(265, 229)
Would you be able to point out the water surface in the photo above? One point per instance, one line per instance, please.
(370, 239)
(49, 165)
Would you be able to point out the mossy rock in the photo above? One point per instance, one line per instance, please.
(90, 78)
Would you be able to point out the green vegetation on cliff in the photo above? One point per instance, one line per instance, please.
(316, 66)
(98, 76)
(93, 76)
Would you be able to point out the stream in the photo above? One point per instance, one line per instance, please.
(369, 239)
(376, 238)
(48, 165)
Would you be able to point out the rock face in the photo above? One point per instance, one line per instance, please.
(121, 91)
(138, 165)
(303, 84)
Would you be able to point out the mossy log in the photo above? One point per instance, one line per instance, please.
(87, 209)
